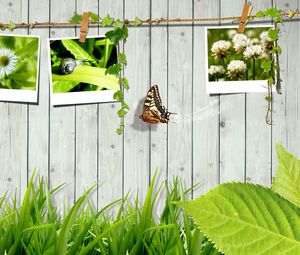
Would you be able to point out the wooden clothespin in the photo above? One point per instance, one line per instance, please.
(244, 18)
(84, 27)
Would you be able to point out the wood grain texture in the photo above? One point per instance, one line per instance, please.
(136, 134)
(232, 117)
(205, 117)
(258, 154)
(14, 118)
(110, 153)
(86, 171)
(62, 122)
(38, 115)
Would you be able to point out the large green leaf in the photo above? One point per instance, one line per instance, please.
(287, 179)
(77, 51)
(90, 75)
(247, 219)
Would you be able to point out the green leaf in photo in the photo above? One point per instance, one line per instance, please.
(137, 22)
(122, 58)
(93, 17)
(266, 65)
(77, 51)
(287, 179)
(63, 86)
(11, 26)
(114, 69)
(29, 49)
(248, 219)
(90, 75)
(107, 21)
(76, 18)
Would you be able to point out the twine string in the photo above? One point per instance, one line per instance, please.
(144, 22)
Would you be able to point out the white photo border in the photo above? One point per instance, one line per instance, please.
(23, 95)
(230, 87)
(79, 97)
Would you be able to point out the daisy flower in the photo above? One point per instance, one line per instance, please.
(8, 61)
(220, 49)
(236, 69)
(253, 52)
(240, 42)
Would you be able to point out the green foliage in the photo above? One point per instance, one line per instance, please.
(11, 26)
(93, 17)
(243, 218)
(101, 54)
(137, 22)
(76, 18)
(126, 226)
(24, 74)
(107, 21)
(287, 180)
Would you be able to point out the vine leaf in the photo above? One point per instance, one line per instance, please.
(118, 95)
(107, 21)
(93, 17)
(273, 34)
(244, 218)
(124, 82)
(114, 69)
(272, 12)
(121, 112)
(287, 179)
(118, 24)
(11, 26)
(123, 59)
(137, 22)
(76, 18)
(266, 65)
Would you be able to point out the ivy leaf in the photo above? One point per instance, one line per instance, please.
(118, 95)
(259, 14)
(268, 98)
(124, 82)
(266, 65)
(119, 131)
(137, 22)
(93, 17)
(116, 35)
(11, 26)
(107, 21)
(270, 80)
(287, 179)
(121, 112)
(77, 18)
(125, 106)
(273, 34)
(123, 59)
(272, 12)
(114, 69)
(118, 24)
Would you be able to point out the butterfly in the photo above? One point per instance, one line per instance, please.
(154, 112)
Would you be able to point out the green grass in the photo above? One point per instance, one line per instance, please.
(126, 226)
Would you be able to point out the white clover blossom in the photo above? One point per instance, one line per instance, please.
(251, 33)
(253, 52)
(216, 69)
(231, 33)
(8, 61)
(236, 69)
(264, 37)
(220, 49)
(240, 42)
(255, 41)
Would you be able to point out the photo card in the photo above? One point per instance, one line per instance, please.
(78, 70)
(19, 68)
(233, 60)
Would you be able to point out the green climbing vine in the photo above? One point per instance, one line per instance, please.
(118, 33)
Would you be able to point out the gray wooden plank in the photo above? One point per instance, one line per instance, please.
(62, 122)
(205, 116)
(283, 104)
(159, 76)
(110, 144)
(86, 128)
(232, 121)
(258, 132)
(180, 92)
(38, 115)
(14, 118)
(136, 134)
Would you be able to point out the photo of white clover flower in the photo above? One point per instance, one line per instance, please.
(18, 62)
(234, 56)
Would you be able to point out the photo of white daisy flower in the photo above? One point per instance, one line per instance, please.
(19, 62)
(236, 69)
(8, 61)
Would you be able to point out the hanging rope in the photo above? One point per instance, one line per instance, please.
(289, 14)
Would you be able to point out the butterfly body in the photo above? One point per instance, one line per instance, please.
(154, 112)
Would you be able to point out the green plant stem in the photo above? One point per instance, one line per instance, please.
(253, 71)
